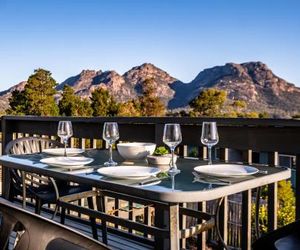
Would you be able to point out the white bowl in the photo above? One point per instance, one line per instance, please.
(136, 150)
(160, 159)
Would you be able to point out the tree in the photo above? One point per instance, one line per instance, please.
(39, 94)
(150, 104)
(209, 103)
(72, 105)
(130, 108)
(103, 104)
(17, 103)
(67, 102)
(83, 107)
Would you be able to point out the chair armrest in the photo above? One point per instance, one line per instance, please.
(78, 196)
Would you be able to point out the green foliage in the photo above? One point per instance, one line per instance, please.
(72, 105)
(83, 108)
(103, 104)
(161, 151)
(209, 103)
(37, 98)
(264, 115)
(214, 103)
(193, 152)
(149, 103)
(286, 203)
(67, 102)
(129, 109)
(17, 103)
(286, 206)
(239, 104)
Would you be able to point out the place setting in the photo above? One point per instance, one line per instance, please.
(138, 167)
(219, 174)
(66, 159)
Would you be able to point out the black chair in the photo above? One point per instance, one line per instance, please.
(43, 189)
(38, 233)
(284, 238)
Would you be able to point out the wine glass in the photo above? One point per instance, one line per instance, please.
(172, 137)
(65, 131)
(209, 137)
(110, 135)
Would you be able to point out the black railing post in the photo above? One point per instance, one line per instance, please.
(7, 136)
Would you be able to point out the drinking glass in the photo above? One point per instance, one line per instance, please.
(110, 135)
(172, 137)
(65, 131)
(209, 137)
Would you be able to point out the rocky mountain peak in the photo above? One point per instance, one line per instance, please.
(147, 70)
(20, 86)
(252, 82)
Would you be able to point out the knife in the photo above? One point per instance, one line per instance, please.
(146, 182)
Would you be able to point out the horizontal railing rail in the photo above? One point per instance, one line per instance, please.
(267, 135)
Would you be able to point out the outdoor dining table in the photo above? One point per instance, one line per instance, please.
(186, 189)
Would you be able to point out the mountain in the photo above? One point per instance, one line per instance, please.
(252, 82)
(122, 87)
(4, 96)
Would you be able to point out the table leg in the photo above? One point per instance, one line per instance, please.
(161, 220)
(174, 226)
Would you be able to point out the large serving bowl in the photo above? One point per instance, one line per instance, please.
(136, 150)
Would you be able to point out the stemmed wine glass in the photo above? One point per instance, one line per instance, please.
(209, 137)
(110, 135)
(172, 137)
(65, 131)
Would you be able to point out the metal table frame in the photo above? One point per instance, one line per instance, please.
(172, 198)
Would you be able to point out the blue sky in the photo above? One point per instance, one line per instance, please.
(182, 37)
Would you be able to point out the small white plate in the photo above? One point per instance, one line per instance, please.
(61, 151)
(128, 172)
(67, 162)
(226, 170)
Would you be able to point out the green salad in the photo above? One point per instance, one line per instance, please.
(161, 151)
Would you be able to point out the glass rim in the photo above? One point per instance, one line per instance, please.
(208, 122)
(110, 123)
(65, 121)
(172, 124)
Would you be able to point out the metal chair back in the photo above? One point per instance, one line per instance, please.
(38, 233)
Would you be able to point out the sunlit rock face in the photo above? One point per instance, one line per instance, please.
(252, 82)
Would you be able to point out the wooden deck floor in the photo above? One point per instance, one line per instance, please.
(114, 241)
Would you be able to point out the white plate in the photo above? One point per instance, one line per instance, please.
(67, 162)
(128, 172)
(226, 170)
(61, 151)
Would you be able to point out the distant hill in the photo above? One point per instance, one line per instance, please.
(252, 82)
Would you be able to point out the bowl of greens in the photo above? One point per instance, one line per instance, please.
(161, 156)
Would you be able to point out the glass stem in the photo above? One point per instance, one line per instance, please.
(65, 143)
(110, 152)
(172, 159)
(173, 181)
(209, 155)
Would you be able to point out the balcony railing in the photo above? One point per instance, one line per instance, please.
(240, 140)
